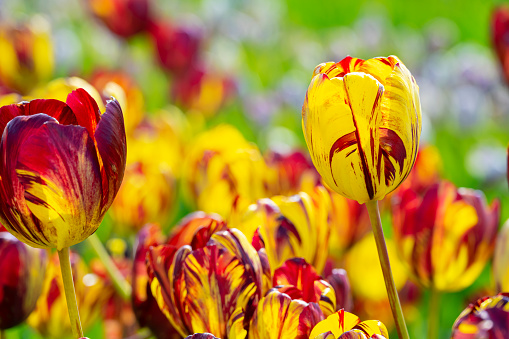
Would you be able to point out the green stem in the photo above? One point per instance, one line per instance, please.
(121, 285)
(70, 294)
(397, 312)
(434, 314)
(2, 334)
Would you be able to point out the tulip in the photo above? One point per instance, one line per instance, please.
(177, 47)
(487, 318)
(201, 336)
(501, 259)
(27, 55)
(22, 270)
(499, 31)
(202, 90)
(64, 166)
(223, 172)
(344, 325)
(290, 172)
(445, 237)
(49, 317)
(289, 227)
(299, 279)
(362, 123)
(145, 307)
(147, 194)
(207, 289)
(125, 18)
(339, 281)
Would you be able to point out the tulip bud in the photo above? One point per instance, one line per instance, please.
(362, 124)
(501, 259)
(344, 325)
(487, 318)
(21, 280)
(62, 165)
(27, 55)
(445, 237)
(125, 18)
(223, 172)
(499, 31)
(50, 316)
(339, 281)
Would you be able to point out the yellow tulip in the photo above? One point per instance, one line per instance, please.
(362, 124)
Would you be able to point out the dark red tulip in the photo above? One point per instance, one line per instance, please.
(338, 279)
(487, 318)
(61, 166)
(21, 279)
(500, 37)
(125, 18)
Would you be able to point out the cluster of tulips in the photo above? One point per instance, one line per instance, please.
(279, 243)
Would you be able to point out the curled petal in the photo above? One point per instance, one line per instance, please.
(201, 336)
(85, 109)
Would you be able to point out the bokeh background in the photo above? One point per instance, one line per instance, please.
(267, 49)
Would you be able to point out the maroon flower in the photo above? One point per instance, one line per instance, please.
(61, 166)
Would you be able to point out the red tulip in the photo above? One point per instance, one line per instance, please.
(61, 166)
(500, 37)
(21, 279)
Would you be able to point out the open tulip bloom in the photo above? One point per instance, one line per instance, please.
(61, 166)
(362, 123)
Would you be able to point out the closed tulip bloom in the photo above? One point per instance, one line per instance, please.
(487, 318)
(27, 55)
(50, 317)
(62, 165)
(499, 33)
(446, 236)
(211, 289)
(289, 227)
(23, 269)
(362, 124)
(339, 281)
(501, 259)
(125, 18)
(344, 325)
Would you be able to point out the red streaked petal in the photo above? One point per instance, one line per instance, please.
(59, 171)
(186, 231)
(297, 272)
(201, 336)
(112, 147)
(85, 109)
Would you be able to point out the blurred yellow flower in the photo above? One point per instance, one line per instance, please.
(345, 325)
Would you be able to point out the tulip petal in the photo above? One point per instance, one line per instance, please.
(337, 323)
(111, 144)
(85, 109)
(59, 170)
(201, 336)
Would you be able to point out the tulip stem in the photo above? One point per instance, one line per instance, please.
(383, 255)
(70, 293)
(434, 314)
(121, 285)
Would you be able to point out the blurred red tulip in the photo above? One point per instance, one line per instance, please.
(177, 46)
(125, 18)
(62, 165)
(487, 318)
(446, 236)
(338, 279)
(23, 269)
(500, 37)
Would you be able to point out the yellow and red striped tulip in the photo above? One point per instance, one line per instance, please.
(62, 165)
(487, 318)
(147, 194)
(299, 280)
(50, 317)
(344, 325)
(446, 236)
(125, 18)
(501, 259)
(362, 124)
(279, 316)
(145, 307)
(212, 289)
(223, 172)
(21, 280)
(347, 220)
(288, 227)
(27, 55)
